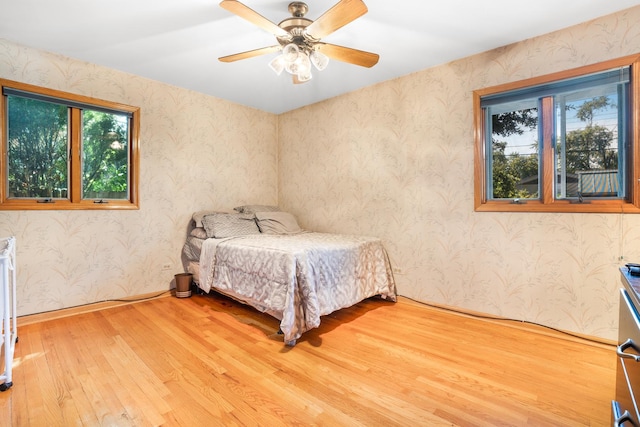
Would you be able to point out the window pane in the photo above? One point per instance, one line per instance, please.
(37, 149)
(589, 144)
(514, 160)
(105, 155)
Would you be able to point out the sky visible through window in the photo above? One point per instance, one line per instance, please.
(526, 143)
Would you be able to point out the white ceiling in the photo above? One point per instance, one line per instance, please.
(179, 41)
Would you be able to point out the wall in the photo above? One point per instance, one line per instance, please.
(197, 152)
(396, 161)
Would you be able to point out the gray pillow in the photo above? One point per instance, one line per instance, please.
(199, 232)
(221, 225)
(197, 216)
(277, 223)
(251, 209)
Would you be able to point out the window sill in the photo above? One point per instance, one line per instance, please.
(33, 205)
(560, 206)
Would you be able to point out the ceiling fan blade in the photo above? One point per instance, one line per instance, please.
(347, 54)
(337, 17)
(249, 54)
(252, 16)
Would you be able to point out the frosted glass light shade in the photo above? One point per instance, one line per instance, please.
(297, 60)
(304, 77)
(301, 65)
(304, 64)
(319, 60)
(277, 64)
(290, 52)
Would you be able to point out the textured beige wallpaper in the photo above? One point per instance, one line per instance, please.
(396, 161)
(197, 152)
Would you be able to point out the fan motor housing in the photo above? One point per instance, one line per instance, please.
(293, 22)
(295, 26)
(298, 9)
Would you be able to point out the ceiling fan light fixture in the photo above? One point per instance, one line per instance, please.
(319, 60)
(290, 52)
(304, 77)
(299, 38)
(277, 64)
(302, 65)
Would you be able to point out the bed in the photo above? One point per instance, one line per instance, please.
(259, 256)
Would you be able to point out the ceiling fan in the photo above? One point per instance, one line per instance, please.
(299, 38)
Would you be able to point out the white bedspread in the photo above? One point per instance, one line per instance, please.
(297, 278)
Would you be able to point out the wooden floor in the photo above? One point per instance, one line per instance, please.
(208, 361)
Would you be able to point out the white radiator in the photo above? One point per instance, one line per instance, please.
(8, 308)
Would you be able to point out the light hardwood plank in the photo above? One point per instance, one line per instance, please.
(208, 360)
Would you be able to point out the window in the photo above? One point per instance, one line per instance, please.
(566, 142)
(64, 151)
